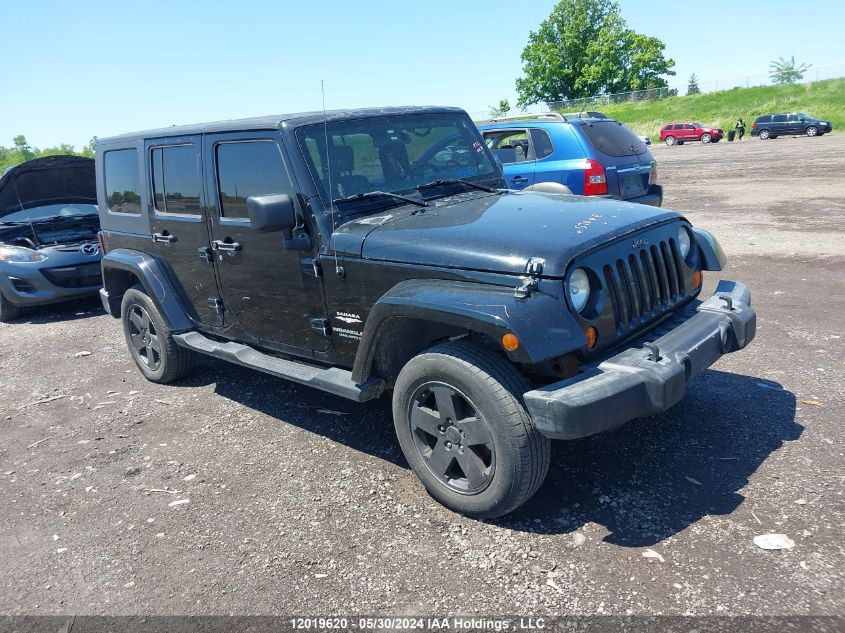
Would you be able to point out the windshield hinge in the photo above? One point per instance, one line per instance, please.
(312, 266)
(216, 304)
(321, 325)
(534, 270)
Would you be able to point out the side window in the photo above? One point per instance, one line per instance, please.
(511, 146)
(779, 118)
(688, 126)
(793, 118)
(176, 183)
(123, 187)
(244, 169)
(542, 143)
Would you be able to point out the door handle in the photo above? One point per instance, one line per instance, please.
(226, 247)
(163, 237)
(520, 179)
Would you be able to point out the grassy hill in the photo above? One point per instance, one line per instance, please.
(821, 99)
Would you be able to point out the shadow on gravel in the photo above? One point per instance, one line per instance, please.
(645, 482)
(365, 427)
(654, 477)
(65, 311)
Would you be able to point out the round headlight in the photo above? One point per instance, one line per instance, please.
(684, 242)
(20, 254)
(579, 288)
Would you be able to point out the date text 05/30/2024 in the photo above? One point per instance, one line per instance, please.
(411, 623)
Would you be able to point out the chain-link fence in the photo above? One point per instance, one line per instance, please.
(814, 73)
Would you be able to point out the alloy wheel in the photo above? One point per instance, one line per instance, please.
(144, 337)
(452, 438)
(811, 131)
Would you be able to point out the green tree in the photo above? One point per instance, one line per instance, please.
(786, 71)
(88, 150)
(23, 148)
(692, 85)
(500, 110)
(585, 48)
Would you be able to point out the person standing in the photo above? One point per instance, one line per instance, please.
(740, 128)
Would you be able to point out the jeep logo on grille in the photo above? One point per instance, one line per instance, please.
(89, 249)
(640, 243)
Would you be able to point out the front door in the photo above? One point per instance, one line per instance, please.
(269, 294)
(513, 148)
(178, 219)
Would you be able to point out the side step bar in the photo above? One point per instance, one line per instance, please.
(334, 380)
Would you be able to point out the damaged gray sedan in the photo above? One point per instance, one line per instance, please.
(48, 233)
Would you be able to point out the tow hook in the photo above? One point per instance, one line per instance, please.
(534, 270)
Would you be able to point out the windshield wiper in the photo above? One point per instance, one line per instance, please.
(382, 194)
(455, 181)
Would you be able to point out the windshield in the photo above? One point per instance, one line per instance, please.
(37, 214)
(394, 154)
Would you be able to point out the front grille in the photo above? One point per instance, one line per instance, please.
(82, 276)
(645, 285)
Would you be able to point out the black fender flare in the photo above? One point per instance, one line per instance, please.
(545, 327)
(149, 271)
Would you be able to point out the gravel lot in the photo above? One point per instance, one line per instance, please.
(235, 492)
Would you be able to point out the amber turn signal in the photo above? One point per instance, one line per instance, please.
(510, 341)
(592, 337)
(696, 278)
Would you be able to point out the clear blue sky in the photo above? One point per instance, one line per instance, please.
(77, 69)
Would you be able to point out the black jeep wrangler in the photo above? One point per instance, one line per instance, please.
(377, 250)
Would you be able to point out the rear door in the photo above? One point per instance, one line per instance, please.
(271, 295)
(514, 148)
(178, 209)
(778, 125)
(624, 156)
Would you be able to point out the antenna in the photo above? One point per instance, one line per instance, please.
(337, 269)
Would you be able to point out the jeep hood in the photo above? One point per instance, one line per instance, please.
(497, 232)
(49, 180)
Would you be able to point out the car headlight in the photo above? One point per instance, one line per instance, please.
(684, 242)
(579, 288)
(20, 254)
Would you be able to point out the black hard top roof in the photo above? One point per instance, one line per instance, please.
(276, 121)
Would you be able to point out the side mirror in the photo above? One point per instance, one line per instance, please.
(276, 213)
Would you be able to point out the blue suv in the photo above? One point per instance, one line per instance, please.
(590, 155)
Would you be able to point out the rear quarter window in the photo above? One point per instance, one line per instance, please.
(764, 119)
(123, 187)
(612, 138)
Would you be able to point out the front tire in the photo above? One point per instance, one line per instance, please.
(670, 140)
(705, 138)
(8, 310)
(464, 430)
(812, 130)
(150, 340)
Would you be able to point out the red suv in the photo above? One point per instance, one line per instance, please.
(680, 132)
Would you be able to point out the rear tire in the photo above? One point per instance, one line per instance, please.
(464, 430)
(764, 135)
(8, 310)
(150, 340)
(811, 131)
(670, 140)
(705, 138)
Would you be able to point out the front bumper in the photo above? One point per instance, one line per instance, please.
(35, 284)
(633, 384)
